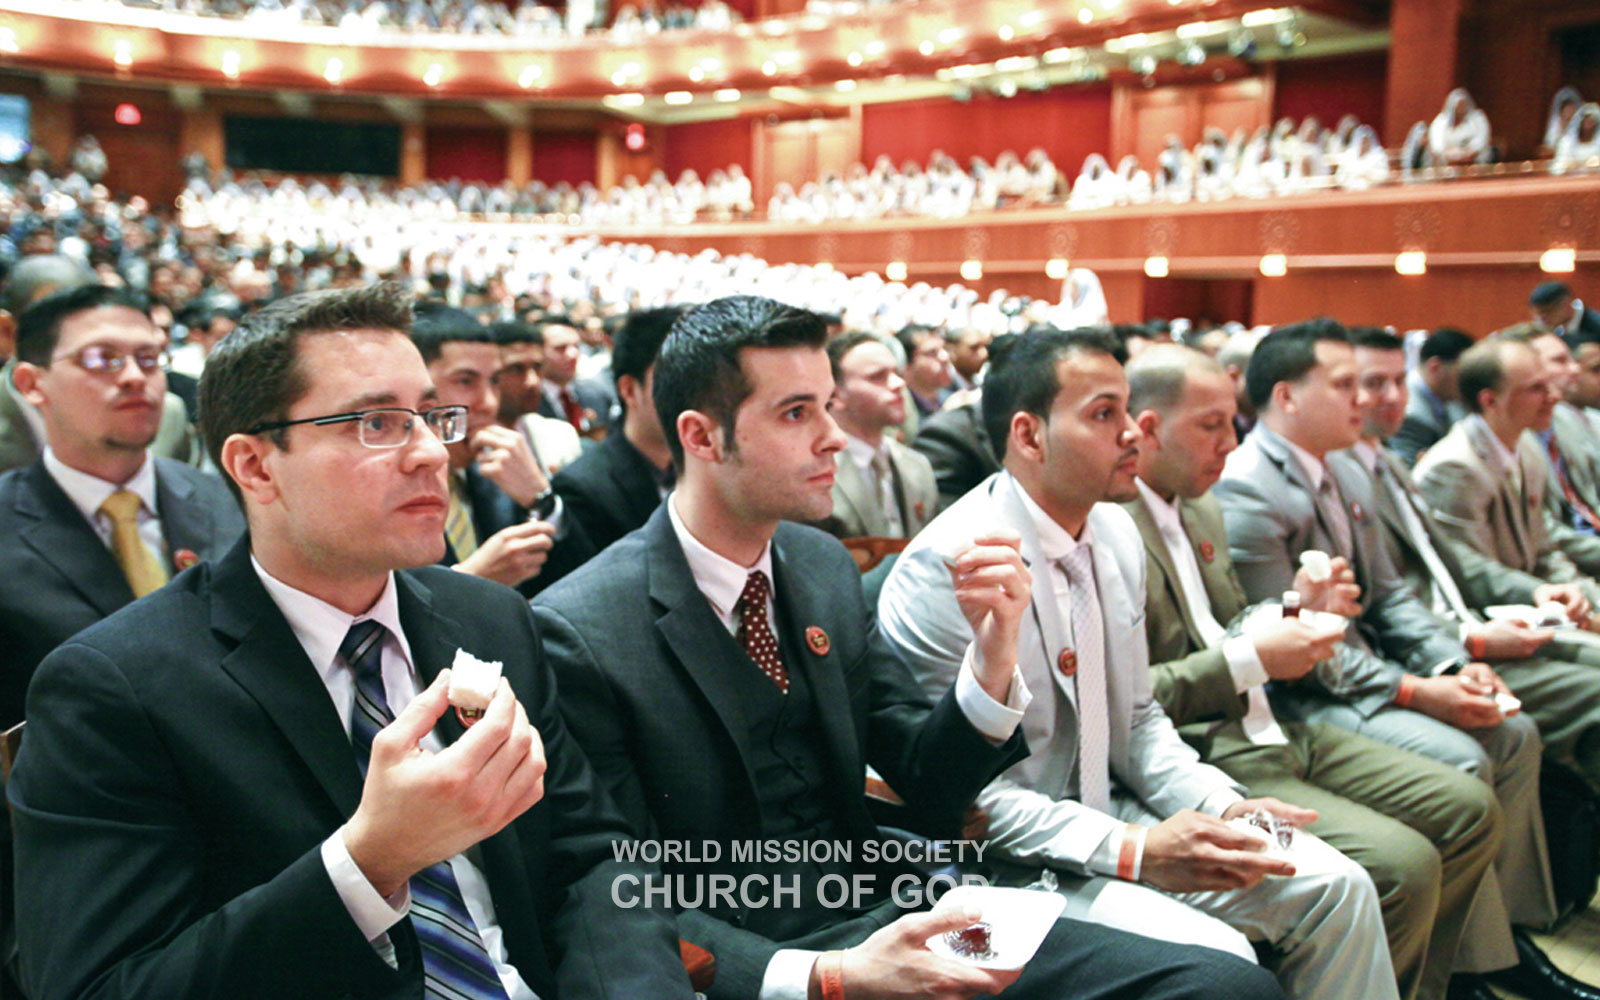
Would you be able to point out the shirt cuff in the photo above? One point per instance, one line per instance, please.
(991, 718)
(372, 914)
(1244, 663)
(1218, 801)
(788, 975)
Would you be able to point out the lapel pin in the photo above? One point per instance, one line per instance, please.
(183, 559)
(1067, 663)
(1208, 552)
(920, 509)
(817, 640)
(1356, 511)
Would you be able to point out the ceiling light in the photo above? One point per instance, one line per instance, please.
(769, 68)
(434, 75)
(678, 97)
(8, 40)
(1085, 15)
(530, 73)
(1558, 260)
(854, 59)
(1056, 268)
(1061, 55)
(1274, 265)
(895, 270)
(1015, 64)
(333, 70)
(1200, 29)
(926, 47)
(971, 270)
(726, 94)
(696, 74)
(626, 100)
(774, 26)
(1127, 42)
(844, 86)
(1257, 18)
(1155, 267)
(1411, 262)
(230, 64)
(1007, 32)
(1032, 19)
(875, 48)
(122, 52)
(950, 36)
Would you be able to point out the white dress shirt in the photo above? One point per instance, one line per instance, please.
(1239, 652)
(88, 492)
(722, 581)
(320, 628)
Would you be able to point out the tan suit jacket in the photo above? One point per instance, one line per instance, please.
(856, 510)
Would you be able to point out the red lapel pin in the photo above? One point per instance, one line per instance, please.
(1208, 551)
(183, 559)
(920, 509)
(1356, 511)
(1067, 663)
(817, 640)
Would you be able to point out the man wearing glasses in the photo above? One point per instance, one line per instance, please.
(97, 520)
(249, 784)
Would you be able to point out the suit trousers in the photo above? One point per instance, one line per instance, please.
(1560, 696)
(1517, 890)
(1323, 923)
(1425, 832)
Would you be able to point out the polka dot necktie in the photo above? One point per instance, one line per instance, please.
(756, 632)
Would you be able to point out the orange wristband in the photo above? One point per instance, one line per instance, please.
(1408, 689)
(1475, 646)
(830, 974)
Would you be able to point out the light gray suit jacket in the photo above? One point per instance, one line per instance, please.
(1475, 503)
(856, 510)
(1267, 504)
(1482, 580)
(1030, 817)
(1424, 423)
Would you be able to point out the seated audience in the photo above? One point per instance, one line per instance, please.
(503, 522)
(249, 784)
(1416, 826)
(1579, 146)
(616, 486)
(1556, 688)
(1563, 108)
(881, 488)
(585, 404)
(519, 385)
(1402, 674)
(1459, 133)
(926, 373)
(726, 679)
(1111, 796)
(98, 520)
(1434, 402)
(1554, 307)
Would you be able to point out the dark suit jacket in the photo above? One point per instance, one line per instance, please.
(57, 577)
(609, 491)
(958, 448)
(184, 763)
(644, 687)
(493, 510)
(595, 394)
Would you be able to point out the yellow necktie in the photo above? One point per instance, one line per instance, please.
(140, 565)
(458, 528)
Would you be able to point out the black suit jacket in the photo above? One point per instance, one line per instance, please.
(609, 491)
(57, 577)
(184, 763)
(957, 446)
(635, 646)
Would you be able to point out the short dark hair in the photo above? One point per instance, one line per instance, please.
(557, 319)
(1375, 338)
(1482, 367)
(39, 326)
(252, 377)
(1446, 343)
(843, 344)
(1286, 355)
(438, 325)
(1548, 293)
(1023, 377)
(909, 334)
(637, 343)
(514, 331)
(698, 367)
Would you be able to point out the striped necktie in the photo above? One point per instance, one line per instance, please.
(455, 965)
(458, 527)
(1088, 636)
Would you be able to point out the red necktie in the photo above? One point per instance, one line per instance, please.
(569, 405)
(756, 633)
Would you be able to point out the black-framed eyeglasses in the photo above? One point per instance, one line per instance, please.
(97, 359)
(389, 426)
